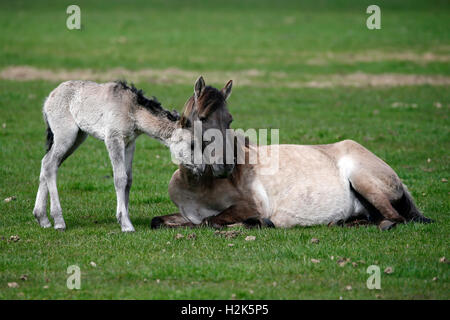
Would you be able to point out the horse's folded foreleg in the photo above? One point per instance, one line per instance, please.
(175, 220)
(238, 213)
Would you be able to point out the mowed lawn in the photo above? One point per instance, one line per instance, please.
(268, 47)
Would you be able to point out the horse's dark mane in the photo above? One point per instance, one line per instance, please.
(210, 100)
(152, 105)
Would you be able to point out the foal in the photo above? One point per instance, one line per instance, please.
(318, 184)
(112, 112)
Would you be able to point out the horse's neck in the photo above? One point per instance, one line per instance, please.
(155, 126)
(205, 180)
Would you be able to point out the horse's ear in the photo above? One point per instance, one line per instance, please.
(198, 87)
(226, 91)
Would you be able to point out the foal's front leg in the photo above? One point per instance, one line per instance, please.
(116, 150)
(129, 154)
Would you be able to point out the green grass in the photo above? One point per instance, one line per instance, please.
(223, 36)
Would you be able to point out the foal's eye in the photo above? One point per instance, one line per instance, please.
(202, 119)
(187, 124)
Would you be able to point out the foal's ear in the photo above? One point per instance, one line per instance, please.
(226, 91)
(198, 87)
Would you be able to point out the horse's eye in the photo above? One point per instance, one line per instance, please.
(187, 123)
(202, 119)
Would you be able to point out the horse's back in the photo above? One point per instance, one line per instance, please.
(70, 94)
(57, 107)
(96, 108)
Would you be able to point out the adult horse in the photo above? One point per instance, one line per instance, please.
(315, 184)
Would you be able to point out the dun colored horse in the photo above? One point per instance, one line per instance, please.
(315, 184)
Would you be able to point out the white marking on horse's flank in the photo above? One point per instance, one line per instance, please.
(346, 166)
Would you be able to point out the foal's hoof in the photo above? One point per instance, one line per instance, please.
(61, 229)
(44, 224)
(42, 220)
(386, 225)
(128, 229)
(156, 223)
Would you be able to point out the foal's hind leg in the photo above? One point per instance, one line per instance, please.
(66, 141)
(40, 206)
(129, 153)
(116, 150)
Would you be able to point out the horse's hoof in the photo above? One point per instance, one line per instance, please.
(60, 229)
(156, 223)
(268, 223)
(357, 223)
(217, 226)
(386, 225)
(421, 219)
(339, 223)
(251, 223)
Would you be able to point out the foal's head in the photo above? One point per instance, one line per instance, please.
(207, 109)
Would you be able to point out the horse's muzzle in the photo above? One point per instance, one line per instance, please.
(222, 170)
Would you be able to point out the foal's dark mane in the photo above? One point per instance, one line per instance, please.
(152, 105)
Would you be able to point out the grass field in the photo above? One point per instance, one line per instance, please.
(389, 91)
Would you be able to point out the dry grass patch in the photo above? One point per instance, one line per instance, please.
(252, 77)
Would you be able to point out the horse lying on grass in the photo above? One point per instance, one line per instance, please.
(315, 184)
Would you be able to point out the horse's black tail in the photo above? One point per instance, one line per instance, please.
(407, 208)
(49, 142)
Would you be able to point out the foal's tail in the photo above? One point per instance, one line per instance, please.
(49, 141)
(407, 208)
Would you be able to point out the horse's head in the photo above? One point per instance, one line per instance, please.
(206, 116)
